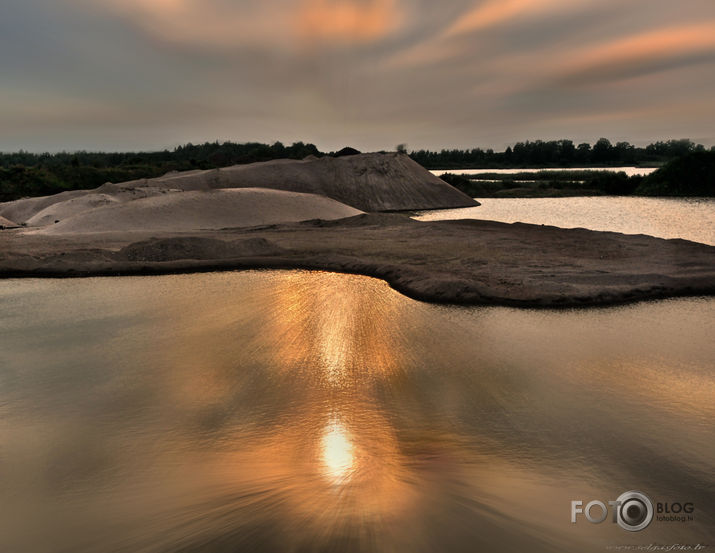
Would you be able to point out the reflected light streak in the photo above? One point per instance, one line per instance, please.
(336, 338)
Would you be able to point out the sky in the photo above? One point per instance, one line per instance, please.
(153, 74)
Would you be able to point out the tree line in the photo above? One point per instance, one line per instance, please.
(30, 174)
(558, 153)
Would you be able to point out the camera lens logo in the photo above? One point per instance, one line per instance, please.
(634, 511)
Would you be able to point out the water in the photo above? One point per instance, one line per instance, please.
(687, 218)
(294, 411)
(630, 171)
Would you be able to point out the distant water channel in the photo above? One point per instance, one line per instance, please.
(269, 411)
(630, 171)
(687, 218)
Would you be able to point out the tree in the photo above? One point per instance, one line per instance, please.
(602, 151)
(625, 152)
(567, 150)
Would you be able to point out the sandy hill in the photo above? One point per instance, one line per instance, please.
(60, 211)
(22, 210)
(44, 210)
(192, 210)
(369, 182)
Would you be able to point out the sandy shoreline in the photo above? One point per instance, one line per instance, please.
(457, 262)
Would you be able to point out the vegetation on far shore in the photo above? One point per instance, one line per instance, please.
(690, 175)
(27, 174)
(544, 184)
(559, 153)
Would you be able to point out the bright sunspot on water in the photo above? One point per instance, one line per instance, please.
(337, 453)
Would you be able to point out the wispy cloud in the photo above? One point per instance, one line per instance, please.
(494, 12)
(645, 52)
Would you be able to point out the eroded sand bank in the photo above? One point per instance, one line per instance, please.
(465, 262)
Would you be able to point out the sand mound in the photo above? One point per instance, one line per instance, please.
(276, 191)
(215, 209)
(24, 209)
(42, 210)
(369, 182)
(6, 223)
(347, 151)
(69, 208)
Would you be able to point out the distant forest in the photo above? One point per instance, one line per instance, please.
(558, 153)
(28, 174)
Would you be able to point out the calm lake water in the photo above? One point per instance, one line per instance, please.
(296, 411)
(630, 171)
(688, 218)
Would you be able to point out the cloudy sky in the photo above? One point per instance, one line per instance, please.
(146, 74)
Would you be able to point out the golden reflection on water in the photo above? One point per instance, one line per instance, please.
(348, 356)
(325, 357)
(294, 411)
(334, 334)
(330, 346)
(323, 347)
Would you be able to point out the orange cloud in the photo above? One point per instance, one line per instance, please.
(643, 52)
(347, 20)
(485, 15)
(275, 24)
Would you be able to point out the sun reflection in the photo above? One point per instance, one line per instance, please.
(337, 453)
(315, 435)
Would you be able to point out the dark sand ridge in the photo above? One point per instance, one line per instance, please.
(369, 182)
(467, 262)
